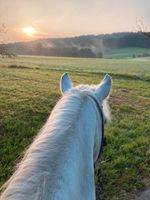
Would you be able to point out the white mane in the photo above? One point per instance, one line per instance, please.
(39, 174)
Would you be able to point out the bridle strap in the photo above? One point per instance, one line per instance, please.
(103, 143)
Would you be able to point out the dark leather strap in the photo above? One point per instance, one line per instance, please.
(103, 142)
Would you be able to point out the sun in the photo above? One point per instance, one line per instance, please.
(28, 30)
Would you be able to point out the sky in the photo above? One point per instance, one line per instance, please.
(67, 18)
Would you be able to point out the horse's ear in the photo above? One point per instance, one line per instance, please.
(65, 83)
(104, 88)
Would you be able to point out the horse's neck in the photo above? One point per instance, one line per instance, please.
(65, 172)
(77, 171)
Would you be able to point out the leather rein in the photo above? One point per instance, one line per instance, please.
(103, 142)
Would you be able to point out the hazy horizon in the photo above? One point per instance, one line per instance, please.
(55, 19)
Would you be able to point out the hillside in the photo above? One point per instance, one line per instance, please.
(83, 46)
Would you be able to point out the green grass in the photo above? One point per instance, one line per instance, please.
(126, 52)
(29, 94)
(139, 67)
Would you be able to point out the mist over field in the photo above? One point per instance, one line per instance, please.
(84, 46)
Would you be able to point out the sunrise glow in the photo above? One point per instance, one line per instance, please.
(28, 30)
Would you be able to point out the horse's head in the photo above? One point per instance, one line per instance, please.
(98, 93)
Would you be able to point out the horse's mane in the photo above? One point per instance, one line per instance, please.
(43, 157)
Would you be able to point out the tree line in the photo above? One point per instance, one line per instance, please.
(93, 46)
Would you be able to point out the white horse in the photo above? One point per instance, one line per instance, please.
(59, 164)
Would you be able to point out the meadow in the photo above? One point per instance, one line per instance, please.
(126, 52)
(29, 89)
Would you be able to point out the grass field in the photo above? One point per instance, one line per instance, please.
(138, 68)
(29, 88)
(126, 52)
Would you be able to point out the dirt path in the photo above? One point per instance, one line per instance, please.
(144, 195)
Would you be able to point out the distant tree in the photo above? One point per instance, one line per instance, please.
(4, 52)
(141, 27)
(100, 55)
(133, 56)
(2, 46)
